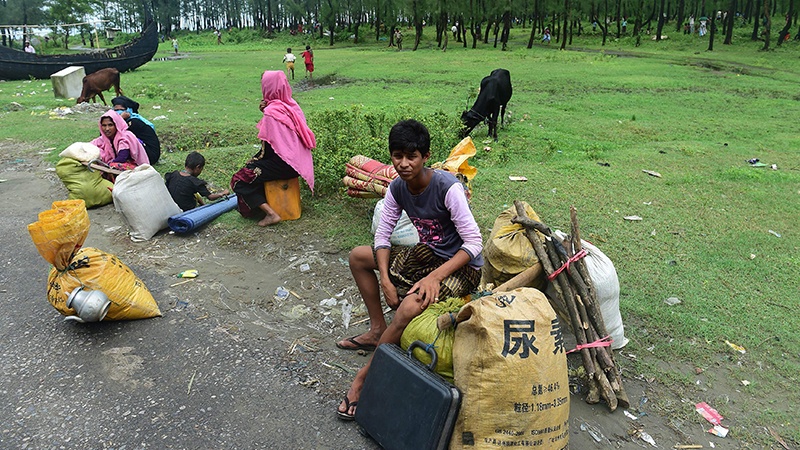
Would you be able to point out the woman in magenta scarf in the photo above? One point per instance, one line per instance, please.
(119, 148)
(286, 143)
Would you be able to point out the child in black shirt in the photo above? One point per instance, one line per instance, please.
(183, 184)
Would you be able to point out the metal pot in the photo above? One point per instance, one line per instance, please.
(91, 306)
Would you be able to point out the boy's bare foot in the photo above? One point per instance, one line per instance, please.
(269, 220)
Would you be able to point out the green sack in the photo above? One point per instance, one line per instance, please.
(423, 328)
(83, 184)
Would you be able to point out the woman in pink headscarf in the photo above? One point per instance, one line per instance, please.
(286, 143)
(119, 148)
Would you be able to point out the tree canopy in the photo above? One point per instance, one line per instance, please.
(475, 20)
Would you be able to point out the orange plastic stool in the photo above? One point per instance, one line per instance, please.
(284, 197)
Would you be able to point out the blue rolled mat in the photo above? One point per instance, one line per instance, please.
(188, 221)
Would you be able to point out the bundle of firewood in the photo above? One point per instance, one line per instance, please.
(576, 299)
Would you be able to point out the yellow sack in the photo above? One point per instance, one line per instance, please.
(97, 270)
(508, 251)
(423, 328)
(457, 164)
(59, 235)
(510, 364)
(60, 231)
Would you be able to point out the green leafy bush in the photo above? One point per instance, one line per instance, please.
(191, 138)
(345, 132)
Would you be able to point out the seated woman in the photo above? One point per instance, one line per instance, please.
(144, 130)
(445, 263)
(286, 143)
(119, 148)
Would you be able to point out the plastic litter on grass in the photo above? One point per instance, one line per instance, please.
(652, 173)
(736, 347)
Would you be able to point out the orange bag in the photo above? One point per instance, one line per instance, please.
(59, 235)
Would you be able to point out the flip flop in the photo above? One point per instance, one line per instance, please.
(348, 404)
(356, 345)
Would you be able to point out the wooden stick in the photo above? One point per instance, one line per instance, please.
(592, 305)
(538, 247)
(606, 392)
(522, 279)
(581, 264)
(606, 355)
(523, 219)
(92, 165)
(181, 282)
(569, 299)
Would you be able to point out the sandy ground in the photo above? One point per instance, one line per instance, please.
(236, 286)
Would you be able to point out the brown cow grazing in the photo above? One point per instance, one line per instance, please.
(97, 82)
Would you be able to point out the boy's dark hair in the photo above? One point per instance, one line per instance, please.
(288, 50)
(194, 160)
(308, 47)
(409, 135)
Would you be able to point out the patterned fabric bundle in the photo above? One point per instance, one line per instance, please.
(358, 193)
(367, 178)
(367, 186)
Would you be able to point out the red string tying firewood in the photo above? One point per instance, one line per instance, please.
(604, 342)
(576, 257)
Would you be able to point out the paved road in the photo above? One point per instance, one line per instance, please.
(212, 373)
(174, 382)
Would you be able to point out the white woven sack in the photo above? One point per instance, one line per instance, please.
(606, 284)
(81, 151)
(404, 232)
(143, 199)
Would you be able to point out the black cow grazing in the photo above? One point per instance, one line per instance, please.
(492, 99)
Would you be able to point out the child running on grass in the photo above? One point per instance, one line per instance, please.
(446, 263)
(289, 59)
(308, 57)
(184, 184)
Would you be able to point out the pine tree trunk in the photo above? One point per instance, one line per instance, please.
(730, 23)
(767, 25)
(712, 31)
(566, 25)
(785, 31)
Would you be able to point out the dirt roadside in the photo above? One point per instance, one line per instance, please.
(240, 272)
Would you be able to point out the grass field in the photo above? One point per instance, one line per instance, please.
(710, 224)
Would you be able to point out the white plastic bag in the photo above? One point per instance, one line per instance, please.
(404, 232)
(606, 285)
(143, 199)
(81, 151)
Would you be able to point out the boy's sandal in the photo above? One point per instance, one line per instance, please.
(356, 345)
(346, 414)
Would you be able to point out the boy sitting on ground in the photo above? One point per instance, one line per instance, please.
(184, 184)
(446, 263)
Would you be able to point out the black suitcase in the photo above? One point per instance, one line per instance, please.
(404, 404)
